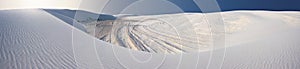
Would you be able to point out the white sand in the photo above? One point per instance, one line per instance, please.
(35, 39)
(189, 32)
(172, 33)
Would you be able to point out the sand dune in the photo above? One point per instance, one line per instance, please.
(30, 40)
(153, 35)
(182, 33)
(35, 39)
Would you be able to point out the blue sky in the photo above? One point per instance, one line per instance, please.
(226, 5)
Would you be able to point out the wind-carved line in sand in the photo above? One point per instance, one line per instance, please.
(147, 36)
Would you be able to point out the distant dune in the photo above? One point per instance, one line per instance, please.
(187, 32)
(43, 39)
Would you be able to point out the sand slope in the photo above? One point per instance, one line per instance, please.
(167, 33)
(35, 39)
(187, 32)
